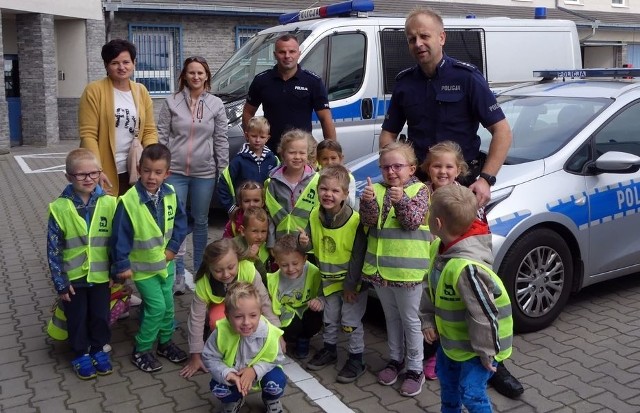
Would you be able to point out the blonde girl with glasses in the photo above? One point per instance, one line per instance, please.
(396, 259)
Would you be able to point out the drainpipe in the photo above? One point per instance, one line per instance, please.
(595, 23)
(111, 9)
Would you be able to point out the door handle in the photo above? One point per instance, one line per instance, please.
(367, 108)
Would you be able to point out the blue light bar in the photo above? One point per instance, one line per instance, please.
(331, 10)
(582, 73)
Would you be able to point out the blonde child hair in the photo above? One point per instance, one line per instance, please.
(442, 148)
(77, 155)
(214, 252)
(292, 136)
(248, 186)
(237, 291)
(312, 152)
(258, 123)
(404, 148)
(456, 205)
(256, 213)
(337, 172)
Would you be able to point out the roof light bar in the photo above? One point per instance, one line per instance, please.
(331, 10)
(582, 73)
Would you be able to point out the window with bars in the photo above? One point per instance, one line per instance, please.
(618, 2)
(244, 33)
(158, 56)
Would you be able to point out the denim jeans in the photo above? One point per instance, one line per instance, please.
(199, 190)
(462, 383)
(272, 385)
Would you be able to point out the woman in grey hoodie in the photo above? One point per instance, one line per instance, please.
(193, 124)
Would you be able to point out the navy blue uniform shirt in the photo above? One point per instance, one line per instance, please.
(448, 106)
(287, 104)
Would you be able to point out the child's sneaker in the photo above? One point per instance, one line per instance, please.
(172, 352)
(352, 369)
(107, 348)
(412, 384)
(145, 361)
(389, 375)
(179, 285)
(102, 363)
(135, 301)
(430, 368)
(322, 359)
(302, 348)
(233, 407)
(83, 366)
(273, 406)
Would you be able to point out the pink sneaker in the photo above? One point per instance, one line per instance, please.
(430, 368)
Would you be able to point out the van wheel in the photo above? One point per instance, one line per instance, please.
(537, 272)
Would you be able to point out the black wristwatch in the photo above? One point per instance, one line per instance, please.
(491, 180)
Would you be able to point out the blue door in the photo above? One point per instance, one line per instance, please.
(12, 92)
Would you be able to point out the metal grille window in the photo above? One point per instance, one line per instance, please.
(617, 2)
(158, 56)
(244, 33)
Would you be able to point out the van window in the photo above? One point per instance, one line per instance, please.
(467, 45)
(339, 60)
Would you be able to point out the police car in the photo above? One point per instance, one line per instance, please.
(565, 211)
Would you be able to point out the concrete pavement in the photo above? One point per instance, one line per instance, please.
(588, 361)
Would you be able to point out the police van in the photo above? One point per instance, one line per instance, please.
(359, 56)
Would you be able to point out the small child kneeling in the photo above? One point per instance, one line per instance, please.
(243, 352)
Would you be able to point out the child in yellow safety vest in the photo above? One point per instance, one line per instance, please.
(290, 191)
(329, 153)
(334, 226)
(250, 194)
(220, 268)
(464, 304)
(79, 227)
(396, 259)
(252, 239)
(149, 226)
(243, 352)
(296, 294)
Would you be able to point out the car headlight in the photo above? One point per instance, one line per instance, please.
(498, 196)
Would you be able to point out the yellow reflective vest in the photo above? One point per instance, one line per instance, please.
(393, 252)
(332, 248)
(296, 305)
(450, 310)
(147, 256)
(85, 250)
(228, 341)
(287, 222)
(246, 273)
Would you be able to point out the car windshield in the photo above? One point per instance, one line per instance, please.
(256, 55)
(543, 124)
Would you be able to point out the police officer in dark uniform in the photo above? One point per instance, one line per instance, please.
(289, 95)
(445, 99)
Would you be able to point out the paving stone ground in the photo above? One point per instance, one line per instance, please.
(587, 361)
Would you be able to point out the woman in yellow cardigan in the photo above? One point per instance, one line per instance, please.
(112, 112)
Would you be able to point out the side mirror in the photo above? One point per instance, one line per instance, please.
(615, 162)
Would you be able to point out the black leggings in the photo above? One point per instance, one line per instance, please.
(307, 327)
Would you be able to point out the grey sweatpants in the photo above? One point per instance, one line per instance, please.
(338, 312)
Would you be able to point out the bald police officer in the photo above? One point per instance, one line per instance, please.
(442, 99)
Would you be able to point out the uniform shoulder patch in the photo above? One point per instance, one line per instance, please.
(465, 65)
(405, 72)
(312, 73)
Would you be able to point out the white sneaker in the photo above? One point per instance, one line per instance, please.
(107, 348)
(123, 315)
(134, 300)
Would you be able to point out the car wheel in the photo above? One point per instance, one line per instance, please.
(537, 272)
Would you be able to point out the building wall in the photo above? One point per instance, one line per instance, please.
(581, 6)
(83, 9)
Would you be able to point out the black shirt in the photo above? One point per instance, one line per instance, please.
(287, 104)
